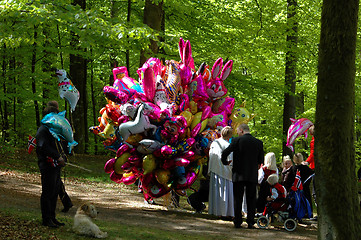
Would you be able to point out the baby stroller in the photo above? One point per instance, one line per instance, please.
(293, 209)
(282, 212)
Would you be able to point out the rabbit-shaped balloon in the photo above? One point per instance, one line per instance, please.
(187, 64)
(215, 87)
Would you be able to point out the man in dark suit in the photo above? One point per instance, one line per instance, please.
(248, 156)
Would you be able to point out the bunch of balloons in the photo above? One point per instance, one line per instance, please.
(161, 126)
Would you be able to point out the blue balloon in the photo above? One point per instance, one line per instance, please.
(59, 127)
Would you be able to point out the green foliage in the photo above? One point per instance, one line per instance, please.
(252, 33)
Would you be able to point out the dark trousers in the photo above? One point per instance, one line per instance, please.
(238, 191)
(264, 191)
(64, 197)
(50, 185)
(197, 199)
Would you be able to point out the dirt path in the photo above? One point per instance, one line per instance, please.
(123, 204)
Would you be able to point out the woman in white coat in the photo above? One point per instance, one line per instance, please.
(220, 186)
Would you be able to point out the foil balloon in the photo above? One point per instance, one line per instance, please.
(139, 125)
(173, 81)
(225, 104)
(109, 165)
(298, 127)
(147, 146)
(161, 98)
(198, 90)
(149, 163)
(187, 181)
(115, 177)
(240, 115)
(59, 127)
(120, 161)
(148, 83)
(129, 178)
(162, 176)
(123, 82)
(215, 87)
(185, 53)
(67, 89)
(115, 95)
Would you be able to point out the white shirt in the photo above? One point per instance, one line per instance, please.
(215, 164)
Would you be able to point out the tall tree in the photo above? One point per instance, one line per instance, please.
(289, 105)
(78, 72)
(338, 206)
(153, 17)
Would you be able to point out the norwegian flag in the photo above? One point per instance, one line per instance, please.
(297, 185)
(31, 144)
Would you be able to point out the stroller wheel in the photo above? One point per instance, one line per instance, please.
(262, 222)
(290, 224)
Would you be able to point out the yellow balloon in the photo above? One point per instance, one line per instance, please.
(120, 161)
(149, 163)
(162, 176)
(134, 139)
(188, 116)
(196, 119)
(193, 107)
(128, 174)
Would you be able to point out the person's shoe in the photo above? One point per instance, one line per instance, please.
(66, 209)
(250, 226)
(237, 226)
(202, 208)
(314, 218)
(49, 223)
(58, 223)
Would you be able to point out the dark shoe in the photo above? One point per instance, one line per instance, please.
(49, 223)
(250, 226)
(58, 223)
(201, 209)
(237, 226)
(313, 219)
(66, 209)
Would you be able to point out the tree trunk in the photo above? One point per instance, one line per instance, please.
(78, 73)
(153, 17)
(33, 81)
(4, 110)
(289, 107)
(127, 53)
(338, 206)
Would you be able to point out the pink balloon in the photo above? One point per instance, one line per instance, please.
(198, 87)
(115, 177)
(108, 167)
(298, 127)
(115, 95)
(224, 104)
(148, 83)
(122, 149)
(188, 180)
(129, 180)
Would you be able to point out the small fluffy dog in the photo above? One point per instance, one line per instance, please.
(83, 224)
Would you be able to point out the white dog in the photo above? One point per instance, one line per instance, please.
(83, 224)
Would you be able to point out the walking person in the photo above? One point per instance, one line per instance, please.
(220, 187)
(248, 156)
(50, 162)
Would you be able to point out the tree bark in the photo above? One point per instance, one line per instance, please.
(153, 17)
(338, 206)
(78, 73)
(289, 107)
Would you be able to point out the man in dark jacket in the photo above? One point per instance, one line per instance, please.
(248, 156)
(50, 161)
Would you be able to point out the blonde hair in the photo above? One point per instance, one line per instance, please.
(298, 158)
(286, 159)
(227, 132)
(270, 161)
(272, 179)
